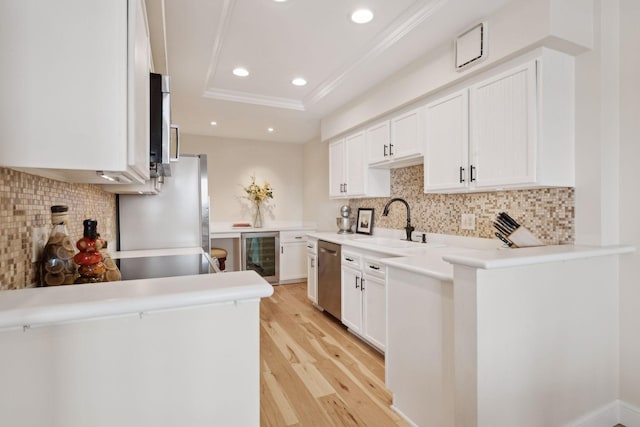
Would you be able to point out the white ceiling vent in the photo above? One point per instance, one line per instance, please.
(471, 46)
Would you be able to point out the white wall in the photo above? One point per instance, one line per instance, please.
(630, 202)
(231, 164)
(318, 209)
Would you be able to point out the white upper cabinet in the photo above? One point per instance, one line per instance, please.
(511, 130)
(75, 84)
(378, 141)
(397, 142)
(503, 129)
(447, 143)
(349, 175)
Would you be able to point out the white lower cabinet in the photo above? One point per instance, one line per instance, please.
(293, 256)
(312, 270)
(363, 297)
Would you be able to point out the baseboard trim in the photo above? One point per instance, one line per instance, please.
(629, 414)
(605, 416)
(403, 416)
(616, 412)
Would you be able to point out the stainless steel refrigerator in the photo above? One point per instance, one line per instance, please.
(178, 217)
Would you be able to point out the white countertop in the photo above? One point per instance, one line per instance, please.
(225, 232)
(437, 259)
(57, 304)
(365, 242)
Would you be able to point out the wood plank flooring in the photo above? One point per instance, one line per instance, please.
(313, 371)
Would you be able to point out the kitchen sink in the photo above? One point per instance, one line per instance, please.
(395, 243)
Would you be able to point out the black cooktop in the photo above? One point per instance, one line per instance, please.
(164, 266)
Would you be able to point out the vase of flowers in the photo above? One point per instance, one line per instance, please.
(258, 194)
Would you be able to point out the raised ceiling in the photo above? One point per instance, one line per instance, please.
(200, 42)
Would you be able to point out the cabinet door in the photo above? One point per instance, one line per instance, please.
(352, 299)
(139, 58)
(336, 169)
(374, 311)
(312, 278)
(356, 167)
(407, 135)
(378, 137)
(447, 143)
(503, 128)
(293, 261)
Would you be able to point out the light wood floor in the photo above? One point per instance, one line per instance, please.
(315, 373)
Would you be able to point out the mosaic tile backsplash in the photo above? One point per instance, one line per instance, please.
(548, 213)
(25, 202)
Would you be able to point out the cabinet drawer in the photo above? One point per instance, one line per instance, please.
(352, 259)
(373, 267)
(293, 236)
(312, 246)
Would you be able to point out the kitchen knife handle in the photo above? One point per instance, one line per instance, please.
(505, 241)
(461, 174)
(472, 178)
(385, 150)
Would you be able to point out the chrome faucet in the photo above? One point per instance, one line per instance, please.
(409, 228)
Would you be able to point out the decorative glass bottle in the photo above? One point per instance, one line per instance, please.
(58, 267)
(89, 259)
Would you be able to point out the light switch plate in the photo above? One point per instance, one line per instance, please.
(39, 240)
(468, 222)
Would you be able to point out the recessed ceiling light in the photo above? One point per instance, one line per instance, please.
(279, 1)
(298, 81)
(362, 16)
(240, 72)
(214, 123)
(270, 129)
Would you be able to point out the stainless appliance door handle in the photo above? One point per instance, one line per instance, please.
(329, 251)
(177, 157)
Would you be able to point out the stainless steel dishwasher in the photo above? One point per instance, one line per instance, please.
(329, 287)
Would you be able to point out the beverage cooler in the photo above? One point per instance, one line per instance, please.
(260, 254)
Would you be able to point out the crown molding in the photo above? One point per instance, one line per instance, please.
(252, 98)
(403, 25)
(223, 26)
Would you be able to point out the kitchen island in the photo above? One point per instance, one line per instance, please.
(521, 337)
(162, 352)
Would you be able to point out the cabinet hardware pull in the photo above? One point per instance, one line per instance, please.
(362, 284)
(385, 150)
(281, 249)
(391, 149)
(309, 246)
(357, 286)
(298, 237)
(313, 263)
(472, 177)
(461, 174)
(374, 267)
(345, 187)
(349, 259)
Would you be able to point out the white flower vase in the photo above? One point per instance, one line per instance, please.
(257, 219)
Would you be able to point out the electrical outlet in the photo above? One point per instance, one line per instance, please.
(468, 222)
(39, 240)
